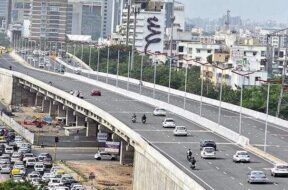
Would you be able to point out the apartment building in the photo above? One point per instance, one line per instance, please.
(20, 11)
(49, 20)
(5, 9)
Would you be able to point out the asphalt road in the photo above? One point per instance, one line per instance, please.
(254, 129)
(220, 173)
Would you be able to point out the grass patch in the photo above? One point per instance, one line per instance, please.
(83, 177)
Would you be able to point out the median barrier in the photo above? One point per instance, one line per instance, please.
(140, 145)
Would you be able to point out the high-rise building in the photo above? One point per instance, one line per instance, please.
(49, 20)
(85, 17)
(20, 11)
(5, 12)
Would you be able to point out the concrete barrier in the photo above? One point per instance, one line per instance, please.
(228, 106)
(139, 144)
(81, 62)
(18, 128)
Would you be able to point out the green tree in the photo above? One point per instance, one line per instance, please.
(11, 185)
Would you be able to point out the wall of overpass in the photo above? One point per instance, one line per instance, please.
(6, 88)
(147, 159)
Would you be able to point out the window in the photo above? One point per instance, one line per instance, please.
(209, 51)
(263, 53)
(190, 50)
(198, 50)
(254, 53)
(180, 49)
(281, 54)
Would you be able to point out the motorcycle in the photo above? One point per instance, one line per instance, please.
(193, 166)
(133, 119)
(143, 121)
(189, 158)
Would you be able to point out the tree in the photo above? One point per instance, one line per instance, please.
(11, 185)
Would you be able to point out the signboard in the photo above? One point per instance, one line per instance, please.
(112, 147)
(102, 137)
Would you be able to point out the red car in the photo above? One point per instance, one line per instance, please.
(95, 92)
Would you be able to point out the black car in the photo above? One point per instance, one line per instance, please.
(208, 143)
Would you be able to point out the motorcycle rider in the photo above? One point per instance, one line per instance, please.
(189, 154)
(144, 118)
(134, 117)
(10, 67)
(193, 162)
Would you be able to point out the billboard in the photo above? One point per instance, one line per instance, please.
(112, 147)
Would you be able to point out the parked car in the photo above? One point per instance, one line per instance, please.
(27, 156)
(9, 150)
(208, 152)
(208, 143)
(180, 131)
(104, 155)
(241, 156)
(168, 122)
(279, 170)
(95, 92)
(257, 177)
(159, 112)
(16, 156)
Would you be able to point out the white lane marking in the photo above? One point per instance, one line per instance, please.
(167, 130)
(224, 173)
(227, 155)
(187, 169)
(249, 168)
(233, 178)
(241, 184)
(210, 163)
(217, 168)
(185, 142)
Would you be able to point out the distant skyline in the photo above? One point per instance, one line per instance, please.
(258, 10)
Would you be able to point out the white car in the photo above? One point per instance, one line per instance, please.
(39, 167)
(104, 156)
(30, 162)
(18, 138)
(208, 152)
(16, 157)
(28, 156)
(279, 170)
(180, 131)
(159, 112)
(241, 156)
(9, 150)
(168, 122)
(54, 182)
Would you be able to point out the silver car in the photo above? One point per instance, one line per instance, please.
(257, 177)
(6, 169)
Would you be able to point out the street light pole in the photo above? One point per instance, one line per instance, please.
(220, 98)
(82, 51)
(267, 114)
(141, 74)
(136, 10)
(98, 62)
(128, 80)
(89, 56)
(118, 61)
(201, 97)
(186, 76)
(241, 102)
(108, 57)
(154, 76)
(171, 49)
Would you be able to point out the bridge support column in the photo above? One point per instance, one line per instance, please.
(45, 105)
(53, 108)
(38, 100)
(61, 111)
(92, 128)
(70, 118)
(80, 120)
(126, 153)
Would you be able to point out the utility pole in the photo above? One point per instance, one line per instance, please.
(128, 22)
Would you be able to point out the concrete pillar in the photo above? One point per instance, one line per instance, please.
(70, 118)
(61, 110)
(53, 108)
(45, 105)
(80, 120)
(31, 99)
(38, 100)
(92, 128)
(126, 153)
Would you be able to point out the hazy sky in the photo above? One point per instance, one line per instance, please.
(254, 9)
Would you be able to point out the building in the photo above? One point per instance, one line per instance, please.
(85, 17)
(5, 12)
(49, 20)
(20, 11)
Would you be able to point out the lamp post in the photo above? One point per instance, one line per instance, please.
(108, 57)
(141, 73)
(269, 82)
(118, 61)
(98, 62)
(136, 10)
(171, 49)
